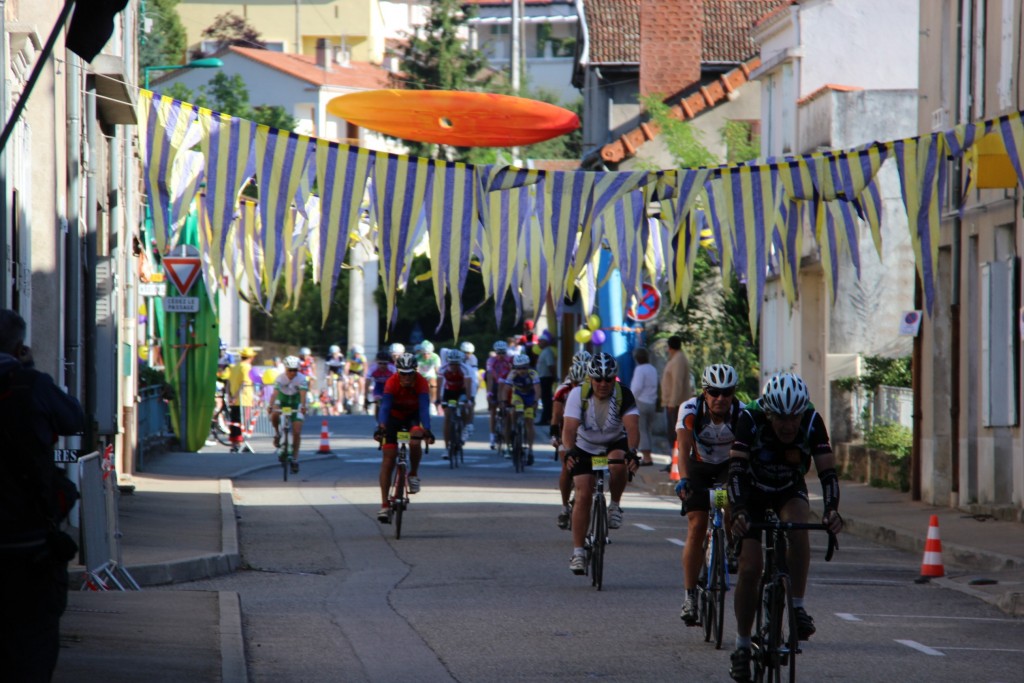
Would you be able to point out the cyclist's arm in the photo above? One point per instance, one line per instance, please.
(569, 427)
(273, 400)
(684, 441)
(557, 411)
(631, 422)
(425, 410)
(385, 407)
(536, 388)
(825, 464)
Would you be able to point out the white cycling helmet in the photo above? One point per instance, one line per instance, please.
(357, 349)
(467, 347)
(455, 356)
(521, 361)
(602, 366)
(406, 363)
(582, 357)
(334, 349)
(396, 349)
(426, 347)
(291, 363)
(719, 376)
(784, 394)
(304, 351)
(577, 372)
(500, 347)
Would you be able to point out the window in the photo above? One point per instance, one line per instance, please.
(998, 318)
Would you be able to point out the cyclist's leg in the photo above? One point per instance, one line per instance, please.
(583, 480)
(750, 565)
(528, 418)
(275, 422)
(297, 422)
(697, 506)
(618, 472)
(415, 449)
(564, 479)
(387, 467)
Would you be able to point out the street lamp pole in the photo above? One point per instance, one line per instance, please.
(205, 63)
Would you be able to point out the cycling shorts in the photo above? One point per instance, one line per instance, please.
(701, 477)
(760, 500)
(395, 425)
(286, 401)
(583, 465)
(527, 405)
(452, 395)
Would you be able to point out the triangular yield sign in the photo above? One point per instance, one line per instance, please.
(183, 271)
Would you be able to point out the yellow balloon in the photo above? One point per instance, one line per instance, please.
(269, 376)
(582, 335)
(144, 352)
(536, 349)
(594, 321)
(142, 309)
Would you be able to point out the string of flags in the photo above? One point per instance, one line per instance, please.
(533, 233)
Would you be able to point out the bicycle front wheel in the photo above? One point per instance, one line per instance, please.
(718, 585)
(599, 523)
(398, 500)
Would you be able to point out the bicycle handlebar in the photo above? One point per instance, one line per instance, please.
(833, 542)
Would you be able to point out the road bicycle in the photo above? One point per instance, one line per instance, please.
(518, 448)
(713, 582)
(398, 500)
(500, 445)
(454, 436)
(597, 535)
(775, 642)
(285, 455)
(220, 423)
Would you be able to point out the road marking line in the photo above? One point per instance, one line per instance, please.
(921, 648)
(982, 649)
(676, 541)
(934, 616)
(847, 616)
(644, 527)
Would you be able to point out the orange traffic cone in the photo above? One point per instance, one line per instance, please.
(931, 565)
(325, 441)
(673, 473)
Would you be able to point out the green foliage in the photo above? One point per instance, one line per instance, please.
(894, 439)
(300, 326)
(741, 144)
(683, 140)
(166, 41)
(229, 95)
(880, 371)
(150, 376)
(231, 29)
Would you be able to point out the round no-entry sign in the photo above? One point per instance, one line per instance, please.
(647, 305)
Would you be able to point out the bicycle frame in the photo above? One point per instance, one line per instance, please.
(597, 536)
(714, 582)
(454, 436)
(519, 438)
(399, 499)
(285, 456)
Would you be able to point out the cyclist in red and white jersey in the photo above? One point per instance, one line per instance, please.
(577, 375)
(498, 367)
(456, 380)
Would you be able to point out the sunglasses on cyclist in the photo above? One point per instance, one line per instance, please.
(715, 393)
(602, 380)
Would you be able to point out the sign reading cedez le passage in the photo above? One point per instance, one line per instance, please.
(181, 304)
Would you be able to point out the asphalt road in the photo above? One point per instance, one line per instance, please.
(478, 588)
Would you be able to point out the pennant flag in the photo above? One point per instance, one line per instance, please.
(166, 128)
(451, 216)
(227, 144)
(504, 215)
(281, 159)
(209, 273)
(1012, 129)
(922, 181)
(856, 176)
(559, 209)
(249, 232)
(400, 184)
(341, 172)
(186, 177)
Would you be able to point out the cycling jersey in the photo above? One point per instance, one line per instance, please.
(380, 374)
(711, 442)
(523, 383)
(498, 367)
(357, 365)
(428, 364)
(775, 465)
(454, 375)
(404, 404)
(601, 426)
(562, 392)
(306, 366)
(335, 364)
(292, 386)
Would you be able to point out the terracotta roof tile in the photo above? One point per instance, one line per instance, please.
(828, 87)
(355, 75)
(727, 25)
(613, 30)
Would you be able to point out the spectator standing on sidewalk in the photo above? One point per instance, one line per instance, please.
(35, 498)
(240, 396)
(645, 388)
(675, 386)
(547, 372)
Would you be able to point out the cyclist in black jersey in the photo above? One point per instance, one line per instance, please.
(777, 437)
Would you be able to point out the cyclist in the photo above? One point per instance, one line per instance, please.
(335, 364)
(290, 389)
(396, 350)
(498, 367)
(379, 375)
(600, 416)
(355, 375)
(456, 381)
(428, 363)
(705, 433)
(405, 406)
(468, 350)
(522, 388)
(577, 373)
(307, 365)
(777, 436)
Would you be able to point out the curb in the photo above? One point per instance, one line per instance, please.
(233, 668)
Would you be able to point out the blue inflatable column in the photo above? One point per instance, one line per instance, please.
(612, 311)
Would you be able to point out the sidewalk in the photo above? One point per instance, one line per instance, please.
(179, 526)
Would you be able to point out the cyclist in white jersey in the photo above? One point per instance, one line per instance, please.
(601, 416)
(704, 433)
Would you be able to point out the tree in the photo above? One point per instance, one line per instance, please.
(714, 323)
(231, 29)
(300, 326)
(165, 41)
(229, 95)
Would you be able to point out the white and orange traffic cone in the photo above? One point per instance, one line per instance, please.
(673, 473)
(325, 439)
(931, 564)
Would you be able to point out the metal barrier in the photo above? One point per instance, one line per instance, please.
(101, 550)
(152, 421)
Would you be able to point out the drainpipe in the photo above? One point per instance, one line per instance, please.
(73, 243)
(4, 303)
(91, 216)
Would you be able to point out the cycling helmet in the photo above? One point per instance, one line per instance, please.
(304, 351)
(406, 363)
(396, 349)
(784, 394)
(467, 347)
(719, 376)
(602, 366)
(582, 357)
(383, 356)
(500, 347)
(456, 356)
(577, 372)
(521, 361)
(426, 347)
(223, 345)
(357, 349)
(291, 363)
(334, 349)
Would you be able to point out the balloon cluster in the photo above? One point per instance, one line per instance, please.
(592, 332)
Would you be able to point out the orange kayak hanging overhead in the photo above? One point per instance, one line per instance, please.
(460, 119)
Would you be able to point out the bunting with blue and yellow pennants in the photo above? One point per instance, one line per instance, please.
(451, 216)
(1011, 127)
(560, 207)
(252, 253)
(504, 214)
(228, 147)
(342, 172)
(535, 264)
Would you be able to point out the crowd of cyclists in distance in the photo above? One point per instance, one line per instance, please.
(759, 451)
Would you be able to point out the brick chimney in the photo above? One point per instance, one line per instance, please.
(324, 53)
(670, 45)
